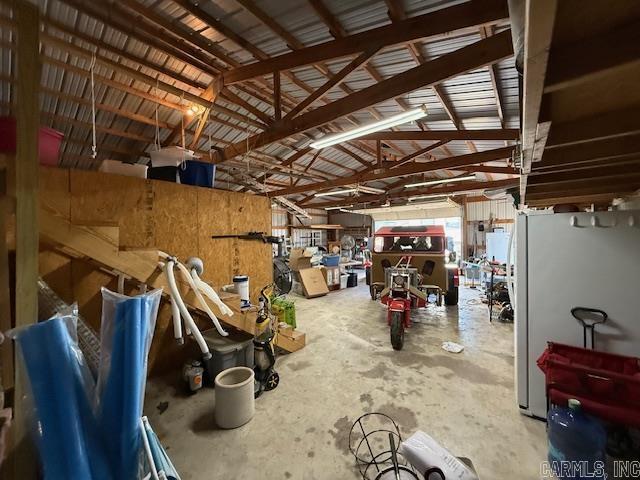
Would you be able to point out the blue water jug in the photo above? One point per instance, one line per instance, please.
(576, 443)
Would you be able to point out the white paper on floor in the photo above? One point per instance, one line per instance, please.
(452, 347)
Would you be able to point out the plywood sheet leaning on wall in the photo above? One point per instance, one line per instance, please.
(139, 214)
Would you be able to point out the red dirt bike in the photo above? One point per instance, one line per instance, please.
(400, 295)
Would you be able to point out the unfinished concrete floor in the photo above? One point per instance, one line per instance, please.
(466, 401)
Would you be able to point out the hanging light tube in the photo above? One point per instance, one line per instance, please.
(439, 181)
(336, 192)
(337, 208)
(404, 117)
(424, 197)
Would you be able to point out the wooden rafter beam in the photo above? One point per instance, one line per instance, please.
(114, 16)
(295, 44)
(598, 173)
(580, 198)
(539, 23)
(599, 127)
(467, 58)
(210, 94)
(337, 31)
(292, 42)
(238, 100)
(569, 65)
(277, 97)
(470, 14)
(487, 134)
(219, 26)
(590, 151)
(352, 154)
(77, 34)
(327, 17)
(179, 30)
(396, 11)
(331, 82)
(397, 14)
(410, 169)
(585, 185)
(487, 31)
(120, 68)
(408, 158)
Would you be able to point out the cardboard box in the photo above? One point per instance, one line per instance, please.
(299, 259)
(313, 282)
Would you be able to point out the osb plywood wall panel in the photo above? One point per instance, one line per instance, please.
(103, 199)
(177, 219)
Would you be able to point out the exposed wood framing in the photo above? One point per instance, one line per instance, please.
(411, 169)
(539, 24)
(467, 15)
(491, 134)
(464, 59)
(451, 189)
(26, 192)
(332, 82)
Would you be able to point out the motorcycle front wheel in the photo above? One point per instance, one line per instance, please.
(397, 330)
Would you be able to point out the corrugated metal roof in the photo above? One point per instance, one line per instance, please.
(471, 95)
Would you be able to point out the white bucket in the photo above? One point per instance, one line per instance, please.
(343, 280)
(235, 402)
(241, 286)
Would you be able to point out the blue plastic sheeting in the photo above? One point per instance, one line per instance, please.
(160, 457)
(67, 437)
(121, 396)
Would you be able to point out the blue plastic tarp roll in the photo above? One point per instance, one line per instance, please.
(67, 438)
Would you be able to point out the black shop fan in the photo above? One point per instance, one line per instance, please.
(282, 275)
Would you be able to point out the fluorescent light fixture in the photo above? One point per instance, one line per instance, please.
(336, 192)
(441, 180)
(372, 190)
(345, 210)
(424, 197)
(338, 208)
(404, 117)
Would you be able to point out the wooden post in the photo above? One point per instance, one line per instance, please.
(463, 229)
(379, 153)
(277, 97)
(6, 349)
(26, 188)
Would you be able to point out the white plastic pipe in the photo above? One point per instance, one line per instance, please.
(177, 322)
(201, 301)
(175, 314)
(147, 449)
(210, 293)
(175, 294)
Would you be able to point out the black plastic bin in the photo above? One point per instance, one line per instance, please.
(352, 281)
(168, 174)
(236, 350)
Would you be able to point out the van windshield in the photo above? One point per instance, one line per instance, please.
(409, 244)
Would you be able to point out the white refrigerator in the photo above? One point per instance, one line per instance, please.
(571, 260)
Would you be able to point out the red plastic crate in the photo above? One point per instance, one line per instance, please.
(607, 385)
(49, 141)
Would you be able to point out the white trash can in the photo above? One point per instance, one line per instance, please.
(235, 403)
